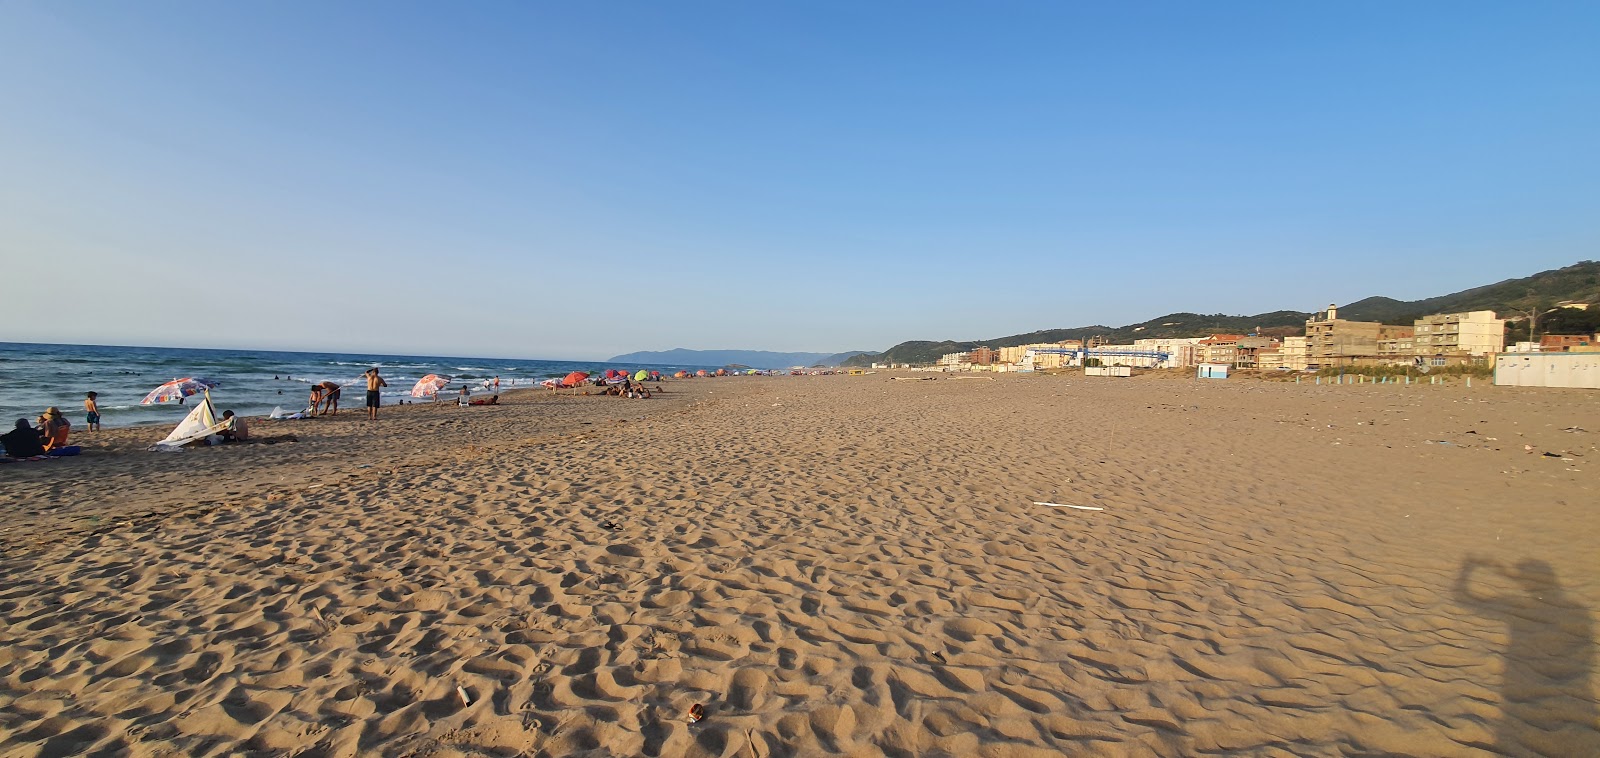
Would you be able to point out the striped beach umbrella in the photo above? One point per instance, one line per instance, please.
(178, 389)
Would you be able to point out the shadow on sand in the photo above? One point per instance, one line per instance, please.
(1548, 704)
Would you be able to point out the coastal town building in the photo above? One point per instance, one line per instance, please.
(1567, 343)
(1035, 355)
(1013, 354)
(1248, 349)
(982, 356)
(1218, 348)
(1398, 343)
(1294, 353)
(1180, 349)
(1470, 333)
(1332, 341)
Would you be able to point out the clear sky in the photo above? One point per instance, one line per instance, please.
(579, 179)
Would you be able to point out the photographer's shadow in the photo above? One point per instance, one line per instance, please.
(1549, 706)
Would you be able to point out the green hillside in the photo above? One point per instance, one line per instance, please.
(1579, 282)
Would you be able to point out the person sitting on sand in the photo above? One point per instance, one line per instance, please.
(463, 395)
(56, 429)
(23, 441)
(330, 396)
(237, 430)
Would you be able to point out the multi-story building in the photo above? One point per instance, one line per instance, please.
(982, 356)
(953, 359)
(1248, 348)
(1294, 353)
(1331, 340)
(1269, 358)
(1397, 342)
(1013, 354)
(1031, 355)
(1218, 348)
(1471, 333)
(1181, 349)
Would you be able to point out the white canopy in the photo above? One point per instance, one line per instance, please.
(200, 423)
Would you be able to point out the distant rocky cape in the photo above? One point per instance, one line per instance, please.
(752, 358)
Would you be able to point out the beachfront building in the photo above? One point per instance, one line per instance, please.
(1397, 343)
(1037, 360)
(1247, 350)
(1293, 351)
(1470, 333)
(1181, 350)
(953, 360)
(1123, 355)
(1014, 354)
(982, 356)
(1218, 348)
(1333, 341)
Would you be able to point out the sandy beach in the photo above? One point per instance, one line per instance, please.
(829, 566)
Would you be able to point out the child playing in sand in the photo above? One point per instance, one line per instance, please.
(94, 412)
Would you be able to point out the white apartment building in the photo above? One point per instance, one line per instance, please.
(1293, 353)
(1473, 332)
(1182, 349)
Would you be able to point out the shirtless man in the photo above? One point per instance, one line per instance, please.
(330, 396)
(373, 396)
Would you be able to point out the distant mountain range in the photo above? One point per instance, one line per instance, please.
(752, 358)
(1576, 283)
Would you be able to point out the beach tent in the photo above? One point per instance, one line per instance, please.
(201, 422)
(641, 376)
(574, 379)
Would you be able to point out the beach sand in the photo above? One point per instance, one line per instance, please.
(830, 566)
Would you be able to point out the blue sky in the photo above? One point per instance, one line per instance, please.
(575, 180)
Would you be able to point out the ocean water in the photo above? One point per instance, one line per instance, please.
(251, 382)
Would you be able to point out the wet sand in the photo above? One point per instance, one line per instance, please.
(831, 566)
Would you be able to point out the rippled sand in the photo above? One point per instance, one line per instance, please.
(830, 565)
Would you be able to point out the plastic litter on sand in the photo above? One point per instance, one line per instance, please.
(1063, 505)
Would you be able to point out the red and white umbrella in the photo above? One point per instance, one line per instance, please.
(429, 385)
(178, 389)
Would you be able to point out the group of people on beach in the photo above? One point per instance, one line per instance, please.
(49, 437)
(325, 395)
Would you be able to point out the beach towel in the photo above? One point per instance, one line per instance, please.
(69, 450)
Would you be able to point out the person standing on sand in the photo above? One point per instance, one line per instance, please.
(93, 410)
(374, 397)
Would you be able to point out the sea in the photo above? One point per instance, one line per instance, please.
(250, 382)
